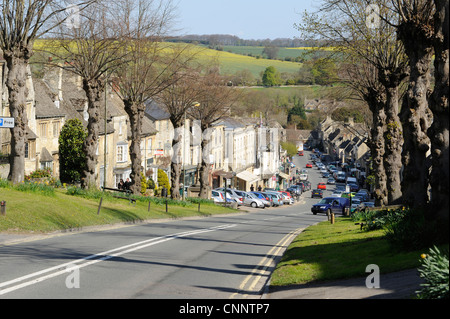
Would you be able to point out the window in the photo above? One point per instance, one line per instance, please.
(30, 149)
(45, 165)
(56, 128)
(121, 153)
(43, 129)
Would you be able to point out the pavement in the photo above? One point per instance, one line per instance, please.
(397, 285)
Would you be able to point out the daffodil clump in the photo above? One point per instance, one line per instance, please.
(434, 270)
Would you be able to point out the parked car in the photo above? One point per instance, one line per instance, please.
(294, 190)
(353, 187)
(348, 195)
(286, 199)
(331, 181)
(321, 186)
(356, 205)
(326, 175)
(328, 205)
(316, 193)
(368, 205)
(219, 197)
(364, 194)
(302, 185)
(307, 185)
(337, 193)
(265, 199)
(239, 199)
(287, 193)
(252, 200)
(277, 200)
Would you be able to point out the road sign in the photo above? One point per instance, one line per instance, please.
(6, 122)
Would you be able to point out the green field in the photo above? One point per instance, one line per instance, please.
(283, 53)
(230, 63)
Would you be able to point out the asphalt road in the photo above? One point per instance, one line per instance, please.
(216, 257)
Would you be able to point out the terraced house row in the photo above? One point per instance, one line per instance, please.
(241, 150)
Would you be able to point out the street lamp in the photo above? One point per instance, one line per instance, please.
(194, 104)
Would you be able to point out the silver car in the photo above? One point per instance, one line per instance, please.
(232, 192)
(251, 199)
(277, 199)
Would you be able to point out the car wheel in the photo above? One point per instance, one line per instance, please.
(254, 205)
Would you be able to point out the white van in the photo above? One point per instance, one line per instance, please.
(303, 177)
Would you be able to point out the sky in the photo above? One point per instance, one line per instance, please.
(247, 19)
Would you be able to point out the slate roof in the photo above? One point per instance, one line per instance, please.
(155, 111)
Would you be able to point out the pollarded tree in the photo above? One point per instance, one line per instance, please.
(345, 25)
(152, 65)
(215, 101)
(439, 130)
(71, 153)
(416, 31)
(21, 23)
(92, 49)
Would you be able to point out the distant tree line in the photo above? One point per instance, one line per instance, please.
(214, 40)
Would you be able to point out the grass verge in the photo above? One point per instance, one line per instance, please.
(29, 212)
(329, 252)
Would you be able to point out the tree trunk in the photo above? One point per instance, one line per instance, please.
(176, 165)
(439, 130)
(136, 115)
(16, 82)
(376, 102)
(393, 138)
(94, 91)
(416, 116)
(205, 164)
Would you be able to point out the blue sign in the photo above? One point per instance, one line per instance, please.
(6, 122)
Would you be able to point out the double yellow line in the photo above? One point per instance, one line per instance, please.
(248, 285)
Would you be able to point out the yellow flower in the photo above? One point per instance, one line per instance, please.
(423, 256)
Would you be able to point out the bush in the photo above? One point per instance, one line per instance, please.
(435, 271)
(72, 158)
(405, 229)
(163, 181)
(378, 219)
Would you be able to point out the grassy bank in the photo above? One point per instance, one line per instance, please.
(328, 252)
(41, 212)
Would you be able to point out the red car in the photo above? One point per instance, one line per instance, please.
(321, 186)
(300, 153)
(308, 165)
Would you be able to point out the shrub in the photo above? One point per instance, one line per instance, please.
(434, 270)
(72, 158)
(163, 181)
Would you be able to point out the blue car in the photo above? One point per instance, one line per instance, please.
(328, 205)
